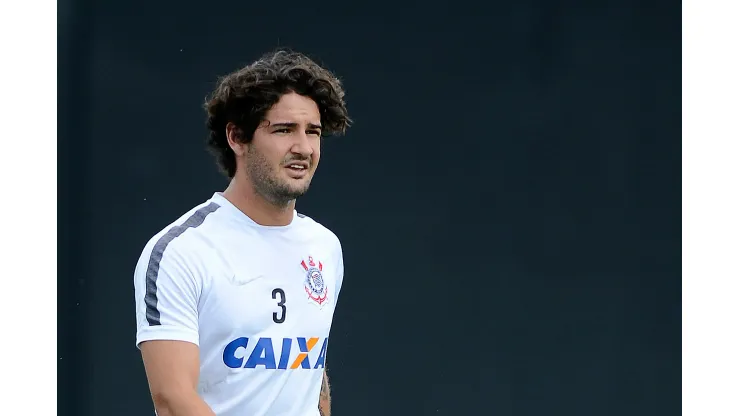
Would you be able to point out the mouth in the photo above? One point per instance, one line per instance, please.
(297, 170)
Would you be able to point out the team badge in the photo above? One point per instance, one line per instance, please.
(314, 283)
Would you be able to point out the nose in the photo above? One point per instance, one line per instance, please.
(302, 146)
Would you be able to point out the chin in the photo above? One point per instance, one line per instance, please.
(300, 191)
(295, 190)
(298, 185)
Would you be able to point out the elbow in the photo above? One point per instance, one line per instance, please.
(162, 404)
(166, 401)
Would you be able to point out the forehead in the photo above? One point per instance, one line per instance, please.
(294, 108)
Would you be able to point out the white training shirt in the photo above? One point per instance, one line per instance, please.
(257, 300)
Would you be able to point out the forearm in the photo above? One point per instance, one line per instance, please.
(325, 397)
(181, 404)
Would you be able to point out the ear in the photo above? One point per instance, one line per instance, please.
(235, 138)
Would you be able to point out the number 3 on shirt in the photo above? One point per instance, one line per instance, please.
(281, 304)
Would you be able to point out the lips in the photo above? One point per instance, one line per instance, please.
(297, 165)
(297, 169)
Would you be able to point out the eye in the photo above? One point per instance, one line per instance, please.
(282, 131)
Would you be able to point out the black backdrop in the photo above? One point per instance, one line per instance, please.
(508, 199)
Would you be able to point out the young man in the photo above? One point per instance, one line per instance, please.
(235, 299)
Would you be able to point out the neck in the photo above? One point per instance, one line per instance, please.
(260, 210)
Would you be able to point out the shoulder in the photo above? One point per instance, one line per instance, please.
(183, 237)
(319, 230)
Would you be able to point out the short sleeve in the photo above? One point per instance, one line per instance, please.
(340, 269)
(167, 289)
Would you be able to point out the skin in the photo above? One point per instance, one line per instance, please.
(263, 187)
(325, 397)
(265, 190)
(172, 368)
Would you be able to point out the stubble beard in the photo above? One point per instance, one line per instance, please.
(267, 184)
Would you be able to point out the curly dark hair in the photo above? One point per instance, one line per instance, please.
(244, 97)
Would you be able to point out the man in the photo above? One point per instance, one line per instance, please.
(235, 299)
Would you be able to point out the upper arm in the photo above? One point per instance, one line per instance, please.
(171, 368)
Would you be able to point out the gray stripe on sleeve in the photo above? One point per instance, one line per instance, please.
(150, 298)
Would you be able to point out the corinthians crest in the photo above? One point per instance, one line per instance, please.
(314, 282)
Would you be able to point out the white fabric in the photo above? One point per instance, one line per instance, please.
(220, 279)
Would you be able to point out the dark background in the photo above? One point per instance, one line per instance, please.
(508, 198)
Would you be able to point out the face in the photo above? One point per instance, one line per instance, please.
(282, 157)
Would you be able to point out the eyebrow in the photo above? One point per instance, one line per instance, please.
(294, 125)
